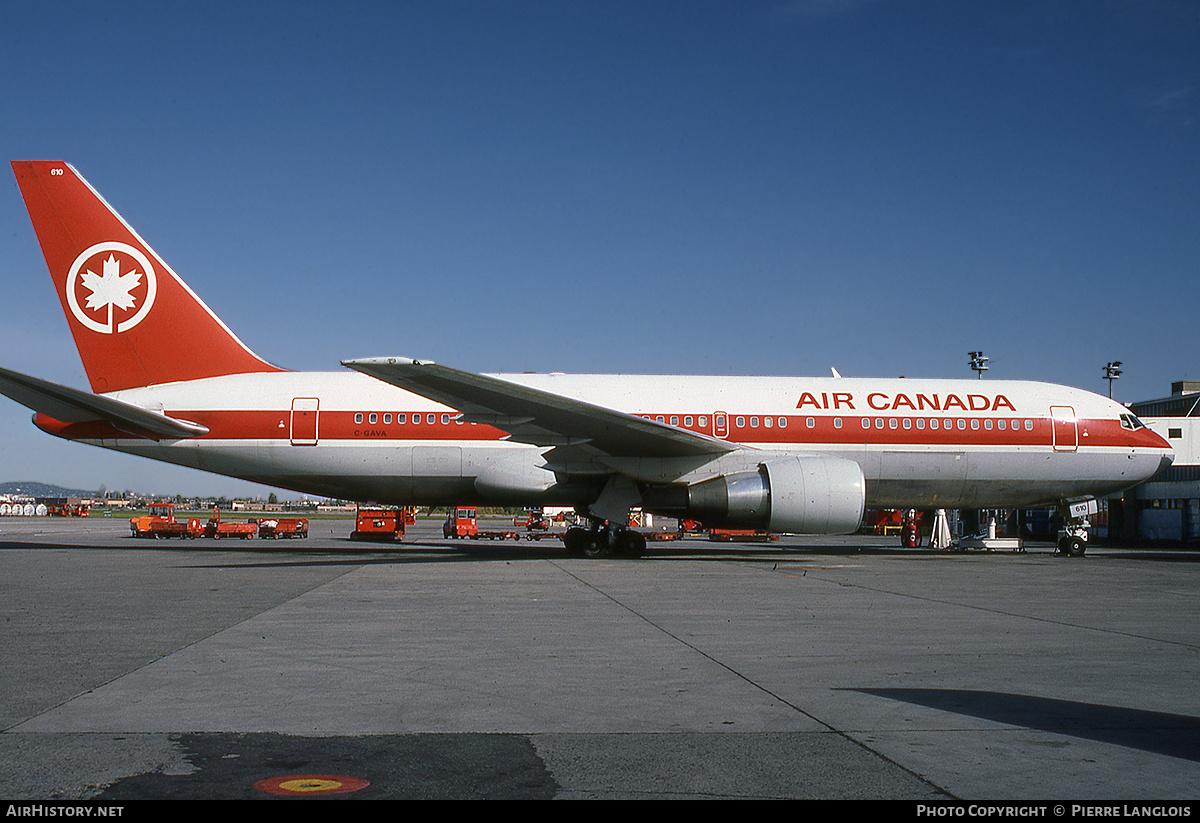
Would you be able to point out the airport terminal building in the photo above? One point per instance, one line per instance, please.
(1167, 506)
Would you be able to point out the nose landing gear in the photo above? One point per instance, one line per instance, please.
(1073, 536)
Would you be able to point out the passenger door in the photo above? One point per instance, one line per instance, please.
(304, 421)
(1065, 428)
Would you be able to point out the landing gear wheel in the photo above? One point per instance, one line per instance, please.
(593, 543)
(574, 540)
(1073, 546)
(582, 542)
(629, 544)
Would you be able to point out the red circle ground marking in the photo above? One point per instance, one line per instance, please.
(311, 785)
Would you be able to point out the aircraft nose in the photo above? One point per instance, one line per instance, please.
(1161, 443)
(1166, 460)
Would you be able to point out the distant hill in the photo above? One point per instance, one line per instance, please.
(30, 488)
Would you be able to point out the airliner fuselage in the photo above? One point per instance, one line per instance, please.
(171, 382)
(919, 443)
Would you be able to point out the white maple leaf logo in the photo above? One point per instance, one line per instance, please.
(126, 279)
(111, 288)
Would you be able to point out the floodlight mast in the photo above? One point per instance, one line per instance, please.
(1112, 371)
(978, 363)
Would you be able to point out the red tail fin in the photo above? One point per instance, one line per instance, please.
(135, 322)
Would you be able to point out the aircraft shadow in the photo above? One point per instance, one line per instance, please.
(1173, 735)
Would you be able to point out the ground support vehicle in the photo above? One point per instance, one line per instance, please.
(159, 522)
(507, 535)
(533, 521)
(379, 524)
(546, 535)
(741, 536)
(65, 507)
(279, 527)
(537, 525)
(461, 522)
(216, 528)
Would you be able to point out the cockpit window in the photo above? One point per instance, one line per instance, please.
(1128, 421)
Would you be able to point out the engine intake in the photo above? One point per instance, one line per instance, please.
(789, 495)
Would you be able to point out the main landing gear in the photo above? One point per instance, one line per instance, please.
(600, 540)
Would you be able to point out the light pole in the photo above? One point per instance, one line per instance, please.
(978, 363)
(1111, 372)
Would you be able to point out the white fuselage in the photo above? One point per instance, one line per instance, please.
(920, 443)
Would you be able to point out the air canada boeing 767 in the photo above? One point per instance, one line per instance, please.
(171, 382)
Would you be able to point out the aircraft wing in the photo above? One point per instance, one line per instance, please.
(538, 417)
(69, 405)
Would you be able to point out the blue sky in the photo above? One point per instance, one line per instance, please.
(663, 187)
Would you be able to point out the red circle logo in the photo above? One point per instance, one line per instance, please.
(311, 785)
(111, 287)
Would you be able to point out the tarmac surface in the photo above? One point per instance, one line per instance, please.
(832, 668)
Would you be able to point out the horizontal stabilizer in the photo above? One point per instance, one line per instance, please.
(69, 405)
(539, 417)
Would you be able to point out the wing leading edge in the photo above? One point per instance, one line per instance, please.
(538, 417)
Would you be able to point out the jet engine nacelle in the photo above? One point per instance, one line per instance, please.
(788, 495)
